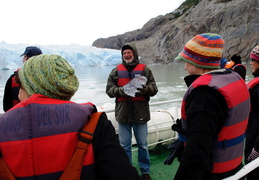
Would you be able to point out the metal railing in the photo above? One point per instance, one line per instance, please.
(154, 104)
(245, 170)
(177, 105)
(241, 173)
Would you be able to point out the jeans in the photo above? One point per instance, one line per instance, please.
(140, 132)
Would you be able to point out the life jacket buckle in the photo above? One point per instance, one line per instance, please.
(84, 137)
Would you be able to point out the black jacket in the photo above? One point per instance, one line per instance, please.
(10, 93)
(241, 70)
(252, 132)
(104, 136)
(207, 110)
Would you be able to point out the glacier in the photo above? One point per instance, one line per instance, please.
(76, 55)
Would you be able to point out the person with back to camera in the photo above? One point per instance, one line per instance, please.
(238, 66)
(252, 132)
(132, 112)
(213, 114)
(40, 134)
(12, 88)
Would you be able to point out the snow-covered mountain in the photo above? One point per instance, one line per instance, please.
(77, 55)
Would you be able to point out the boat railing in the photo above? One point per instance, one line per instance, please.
(241, 173)
(159, 142)
(177, 103)
(245, 170)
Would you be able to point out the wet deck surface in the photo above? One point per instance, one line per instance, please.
(158, 171)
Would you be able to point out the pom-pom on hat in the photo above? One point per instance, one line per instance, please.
(204, 51)
(255, 53)
(49, 75)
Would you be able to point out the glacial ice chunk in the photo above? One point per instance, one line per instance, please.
(131, 87)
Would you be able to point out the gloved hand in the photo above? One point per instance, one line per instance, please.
(121, 92)
(178, 127)
(253, 155)
(142, 91)
(176, 148)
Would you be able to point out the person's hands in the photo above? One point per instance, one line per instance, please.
(142, 90)
(176, 148)
(253, 155)
(121, 92)
(178, 127)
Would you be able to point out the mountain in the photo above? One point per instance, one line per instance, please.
(162, 38)
(76, 55)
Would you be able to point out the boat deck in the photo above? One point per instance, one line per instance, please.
(158, 171)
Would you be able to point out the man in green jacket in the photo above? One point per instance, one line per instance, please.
(132, 111)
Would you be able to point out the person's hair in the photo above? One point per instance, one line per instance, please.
(251, 59)
(17, 80)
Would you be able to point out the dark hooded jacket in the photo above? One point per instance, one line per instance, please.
(238, 66)
(252, 132)
(206, 111)
(131, 111)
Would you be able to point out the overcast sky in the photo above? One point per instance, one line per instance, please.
(44, 22)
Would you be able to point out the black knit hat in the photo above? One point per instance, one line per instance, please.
(126, 47)
(236, 58)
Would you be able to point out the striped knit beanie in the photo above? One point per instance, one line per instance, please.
(49, 75)
(204, 51)
(255, 53)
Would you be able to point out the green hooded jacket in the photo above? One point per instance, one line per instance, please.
(131, 111)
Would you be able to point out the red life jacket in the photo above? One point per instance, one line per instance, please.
(238, 65)
(228, 149)
(124, 77)
(15, 89)
(39, 136)
(253, 83)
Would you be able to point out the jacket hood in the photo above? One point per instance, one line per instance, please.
(135, 53)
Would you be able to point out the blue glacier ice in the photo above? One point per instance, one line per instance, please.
(76, 55)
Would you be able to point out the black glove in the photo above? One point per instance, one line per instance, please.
(121, 92)
(142, 91)
(178, 127)
(176, 148)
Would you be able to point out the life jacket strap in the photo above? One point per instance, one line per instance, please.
(228, 143)
(74, 167)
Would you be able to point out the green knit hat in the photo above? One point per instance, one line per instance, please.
(49, 75)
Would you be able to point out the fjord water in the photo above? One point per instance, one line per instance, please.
(169, 79)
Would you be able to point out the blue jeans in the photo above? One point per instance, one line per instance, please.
(140, 132)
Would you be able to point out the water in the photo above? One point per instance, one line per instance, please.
(169, 79)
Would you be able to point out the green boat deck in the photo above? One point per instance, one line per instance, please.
(158, 171)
